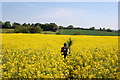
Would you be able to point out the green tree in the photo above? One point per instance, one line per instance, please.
(100, 29)
(36, 29)
(61, 27)
(45, 27)
(92, 28)
(24, 25)
(70, 27)
(53, 27)
(109, 30)
(28, 24)
(20, 29)
(103, 29)
(15, 25)
(32, 24)
(1, 24)
(37, 24)
(7, 24)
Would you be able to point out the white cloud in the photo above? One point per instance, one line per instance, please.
(31, 5)
(61, 13)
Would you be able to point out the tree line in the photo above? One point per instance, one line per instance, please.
(38, 27)
(29, 28)
(91, 28)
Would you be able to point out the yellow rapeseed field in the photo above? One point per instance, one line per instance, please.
(39, 56)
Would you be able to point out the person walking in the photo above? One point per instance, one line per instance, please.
(65, 50)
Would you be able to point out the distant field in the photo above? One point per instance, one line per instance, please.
(12, 31)
(48, 32)
(86, 32)
(70, 32)
(6, 30)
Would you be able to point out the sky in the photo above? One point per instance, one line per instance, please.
(78, 14)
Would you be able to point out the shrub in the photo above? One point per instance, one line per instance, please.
(45, 33)
(58, 33)
(21, 30)
(29, 29)
(36, 29)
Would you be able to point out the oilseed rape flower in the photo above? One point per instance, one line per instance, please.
(39, 56)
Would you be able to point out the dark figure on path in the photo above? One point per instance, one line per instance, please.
(65, 50)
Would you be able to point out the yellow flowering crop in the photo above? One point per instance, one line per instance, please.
(39, 56)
